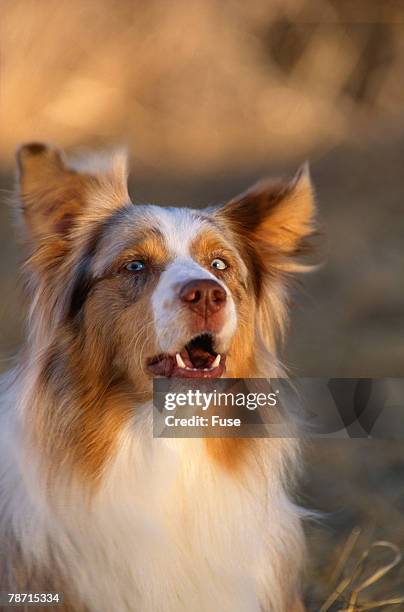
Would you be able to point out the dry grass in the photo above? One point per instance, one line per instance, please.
(356, 482)
(352, 579)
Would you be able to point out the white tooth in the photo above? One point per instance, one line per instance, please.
(216, 362)
(180, 361)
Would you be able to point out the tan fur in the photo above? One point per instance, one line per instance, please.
(298, 606)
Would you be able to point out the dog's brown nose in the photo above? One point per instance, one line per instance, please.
(204, 297)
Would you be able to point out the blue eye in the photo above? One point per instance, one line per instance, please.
(219, 264)
(135, 266)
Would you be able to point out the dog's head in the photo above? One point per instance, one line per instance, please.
(140, 291)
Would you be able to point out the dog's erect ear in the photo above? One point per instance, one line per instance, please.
(53, 194)
(277, 215)
(49, 191)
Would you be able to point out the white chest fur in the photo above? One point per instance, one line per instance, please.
(171, 531)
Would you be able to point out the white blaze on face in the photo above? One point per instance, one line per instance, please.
(180, 228)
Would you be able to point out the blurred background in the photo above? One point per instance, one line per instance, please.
(208, 96)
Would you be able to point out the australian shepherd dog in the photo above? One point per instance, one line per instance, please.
(91, 505)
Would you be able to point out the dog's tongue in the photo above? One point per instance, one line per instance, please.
(197, 357)
(193, 357)
(186, 358)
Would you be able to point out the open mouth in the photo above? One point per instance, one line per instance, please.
(197, 359)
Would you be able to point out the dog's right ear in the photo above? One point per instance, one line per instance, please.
(49, 191)
(53, 194)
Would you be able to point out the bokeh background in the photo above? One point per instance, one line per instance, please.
(209, 96)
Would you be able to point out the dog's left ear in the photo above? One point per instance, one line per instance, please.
(54, 194)
(277, 216)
